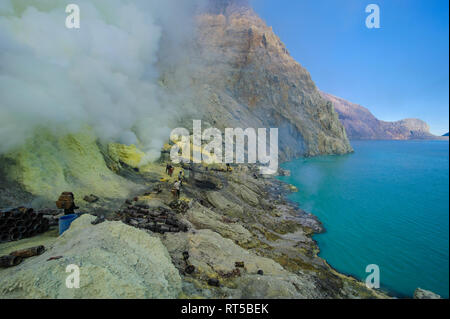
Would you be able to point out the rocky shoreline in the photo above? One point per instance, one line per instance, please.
(240, 239)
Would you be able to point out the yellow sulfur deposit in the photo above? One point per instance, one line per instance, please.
(129, 155)
(47, 165)
(132, 156)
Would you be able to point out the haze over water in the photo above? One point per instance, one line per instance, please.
(386, 204)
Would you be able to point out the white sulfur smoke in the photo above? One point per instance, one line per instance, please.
(105, 74)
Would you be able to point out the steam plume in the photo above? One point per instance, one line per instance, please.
(105, 74)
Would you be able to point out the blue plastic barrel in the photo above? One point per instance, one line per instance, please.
(65, 221)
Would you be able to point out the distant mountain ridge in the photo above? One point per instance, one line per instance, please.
(361, 124)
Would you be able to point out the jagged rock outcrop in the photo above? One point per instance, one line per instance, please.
(361, 124)
(243, 76)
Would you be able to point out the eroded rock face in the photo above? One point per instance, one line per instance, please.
(115, 260)
(361, 124)
(243, 76)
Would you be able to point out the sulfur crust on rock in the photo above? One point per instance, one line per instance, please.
(115, 260)
(49, 164)
(129, 155)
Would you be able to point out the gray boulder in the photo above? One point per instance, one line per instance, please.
(425, 294)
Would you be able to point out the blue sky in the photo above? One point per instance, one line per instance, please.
(398, 71)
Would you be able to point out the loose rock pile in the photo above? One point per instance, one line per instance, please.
(20, 223)
(159, 220)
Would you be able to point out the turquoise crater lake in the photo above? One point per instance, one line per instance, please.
(386, 204)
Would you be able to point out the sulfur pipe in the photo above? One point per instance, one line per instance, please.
(10, 261)
(29, 252)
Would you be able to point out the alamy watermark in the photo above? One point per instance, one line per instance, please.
(73, 280)
(258, 149)
(73, 18)
(373, 19)
(373, 280)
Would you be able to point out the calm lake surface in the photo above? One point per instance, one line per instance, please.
(386, 204)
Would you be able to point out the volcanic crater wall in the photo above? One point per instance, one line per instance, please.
(244, 77)
(232, 72)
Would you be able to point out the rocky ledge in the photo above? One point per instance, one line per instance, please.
(230, 235)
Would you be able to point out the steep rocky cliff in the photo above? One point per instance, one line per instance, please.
(243, 76)
(361, 124)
